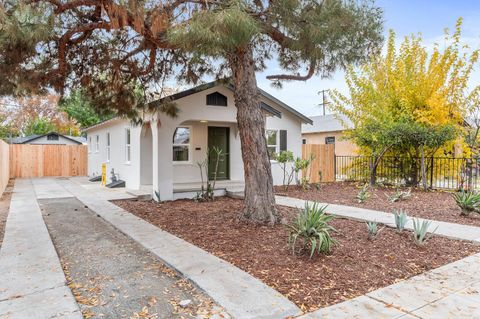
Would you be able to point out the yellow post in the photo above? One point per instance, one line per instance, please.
(104, 174)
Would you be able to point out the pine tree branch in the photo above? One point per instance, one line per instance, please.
(292, 77)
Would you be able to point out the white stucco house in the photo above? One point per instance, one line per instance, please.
(161, 155)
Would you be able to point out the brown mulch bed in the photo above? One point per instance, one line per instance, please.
(4, 207)
(356, 265)
(436, 205)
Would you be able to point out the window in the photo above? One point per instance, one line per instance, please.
(97, 143)
(216, 99)
(304, 141)
(181, 144)
(107, 148)
(330, 140)
(272, 142)
(127, 145)
(89, 144)
(52, 137)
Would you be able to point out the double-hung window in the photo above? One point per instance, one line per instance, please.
(107, 147)
(272, 142)
(181, 144)
(127, 145)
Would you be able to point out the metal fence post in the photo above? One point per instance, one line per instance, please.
(431, 172)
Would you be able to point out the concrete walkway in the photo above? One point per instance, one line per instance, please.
(449, 230)
(32, 283)
(239, 293)
(111, 274)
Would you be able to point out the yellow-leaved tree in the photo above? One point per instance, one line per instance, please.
(409, 97)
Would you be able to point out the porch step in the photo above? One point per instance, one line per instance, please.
(139, 194)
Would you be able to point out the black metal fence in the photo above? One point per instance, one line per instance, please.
(441, 172)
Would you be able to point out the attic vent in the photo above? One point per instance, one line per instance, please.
(216, 99)
(52, 137)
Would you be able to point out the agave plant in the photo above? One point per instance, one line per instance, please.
(400, 195)
(401, 219)
(363, 194)
(373, 229)
(312, 229)
(468, 202)
(420, 231)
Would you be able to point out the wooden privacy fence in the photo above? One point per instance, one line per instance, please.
(47, 160)
(4, 166)
(323, 164)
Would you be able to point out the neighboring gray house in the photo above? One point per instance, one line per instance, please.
(51, 138)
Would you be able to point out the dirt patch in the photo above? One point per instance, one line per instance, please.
(357, 265)
(4, 207)
(436, 205)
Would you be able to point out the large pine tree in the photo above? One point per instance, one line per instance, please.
(109, 48)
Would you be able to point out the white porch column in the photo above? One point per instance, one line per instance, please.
(162, 160)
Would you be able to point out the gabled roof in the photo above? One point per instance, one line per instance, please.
(212, 84)
(30, 138)
(206, 86)
(327, 123)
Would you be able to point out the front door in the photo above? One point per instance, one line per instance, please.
(218, 137)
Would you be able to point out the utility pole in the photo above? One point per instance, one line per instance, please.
(324, 101)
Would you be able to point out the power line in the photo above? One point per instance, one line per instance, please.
(324, 101)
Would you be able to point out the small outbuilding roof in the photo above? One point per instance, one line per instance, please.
(30, 138)
(327, 123)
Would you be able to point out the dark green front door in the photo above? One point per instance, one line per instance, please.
(218, 137)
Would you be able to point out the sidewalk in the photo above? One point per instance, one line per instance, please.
(32, 282)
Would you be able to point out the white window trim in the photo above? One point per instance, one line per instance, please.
(189, 162)
(89, 144)
(128, 159)
(97, 143)
(107, 147)
(277, 145)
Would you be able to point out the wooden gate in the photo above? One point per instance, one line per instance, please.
(47, 160)
(4, 165)
(323, 164)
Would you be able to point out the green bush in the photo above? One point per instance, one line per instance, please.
(468, 202)
(312, 229)
(372, 229)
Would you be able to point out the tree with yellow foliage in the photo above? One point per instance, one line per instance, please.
(408, 87)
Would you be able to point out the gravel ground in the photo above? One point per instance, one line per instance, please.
(110, 275)
(436, 205)
(4, 207)
(356, 265)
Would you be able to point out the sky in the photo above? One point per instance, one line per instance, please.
(428, 17)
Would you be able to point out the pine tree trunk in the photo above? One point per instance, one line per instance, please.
(259, 192)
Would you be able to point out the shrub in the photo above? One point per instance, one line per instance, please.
(400, 219)
(311, 227)
(468, 202)
(363, 194)
(420, 231)
(400, 195)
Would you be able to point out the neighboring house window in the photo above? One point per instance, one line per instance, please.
(89, 143)
(272, 142)
(127, 145)
(304, 141)
(216, 99)
(181, 144)
(52, 137)
(97, 143)
(107, 148)
(330, 140)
